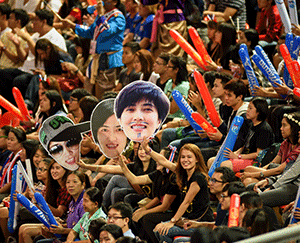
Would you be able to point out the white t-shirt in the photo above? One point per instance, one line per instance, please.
(54, 37)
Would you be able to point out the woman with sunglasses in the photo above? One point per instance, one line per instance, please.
(191, 178)
(57, 198)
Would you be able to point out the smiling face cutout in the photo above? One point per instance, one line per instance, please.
(141, 108)
(107, 131)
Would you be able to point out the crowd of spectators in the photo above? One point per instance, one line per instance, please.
(65, 56)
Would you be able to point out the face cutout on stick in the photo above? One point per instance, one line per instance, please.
(106, 130)
(141, 108)
(61, 138)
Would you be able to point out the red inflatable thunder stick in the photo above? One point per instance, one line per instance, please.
(203, 123)
(211, 109)
(21, 104)
(288, 62)
(296, 91)
(296, 69)
(10, 107)
(199, 45)
(188, 48)
(234, 210)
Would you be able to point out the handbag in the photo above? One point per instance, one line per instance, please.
(69, 84)
(183, 220)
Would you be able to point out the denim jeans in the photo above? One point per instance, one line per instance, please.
(173, 232)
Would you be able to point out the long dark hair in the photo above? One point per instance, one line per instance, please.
(293, 119)
(147, 61)
(182, 74)
(53, 57)
(200, 166)
(53, 186)
(85, 45)
(56, 103)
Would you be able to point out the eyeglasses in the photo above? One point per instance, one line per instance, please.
(3, 136)
(114, 217)
(57, 150)
(41, 169)
(72, 99)
(213, 180)
(223, 197)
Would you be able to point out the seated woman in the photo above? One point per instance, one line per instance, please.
(92, 204)
(57, 198)
(191, 178)
(118, 187)
(76, 184)
(143, 63)
(288, 152)
(164, 204)
(260, 137)
(178, 80)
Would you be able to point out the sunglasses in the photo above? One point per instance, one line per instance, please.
(57, 149)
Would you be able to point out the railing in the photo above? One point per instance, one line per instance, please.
(278, 236)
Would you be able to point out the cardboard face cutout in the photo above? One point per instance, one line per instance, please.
(106, 129)
(61, 138)
(141, 108)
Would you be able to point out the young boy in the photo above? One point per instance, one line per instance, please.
(128, 74)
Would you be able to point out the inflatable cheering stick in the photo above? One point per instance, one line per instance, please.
(234, 210)
(185, 109)
(188, 48)
(210, 107)
(203, 123)
(228, 143)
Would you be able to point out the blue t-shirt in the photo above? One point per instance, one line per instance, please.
(143, 30)
(131, 22)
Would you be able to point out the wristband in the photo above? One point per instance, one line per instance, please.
(240, 156)
(149, 152)
(219, 69)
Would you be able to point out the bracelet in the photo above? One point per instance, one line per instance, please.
(240, 156)
(149, 152)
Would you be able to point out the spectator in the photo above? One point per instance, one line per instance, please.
(128, 74)
(110, 233)
(121, 214)
(141, 32)
(143, 63)
(92, 204)
(132, 15)
(14, 50)
(106, 45)
(4, 15)
(160, 67)
(269, 26)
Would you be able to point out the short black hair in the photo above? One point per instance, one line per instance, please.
(124, 208)
(79, 93)
(113, 229)
(134, 46)
(251, 200)
(141, 90)
(6, 129)
(227, 174)
(21, 15)
(95, 195)
(19, 133)
(45, 14)
(253, 36)
(209, 77)
(225, 78)
(261, 106)
(5, 9)
(95, 227)
(237, 87)
(234, 187)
